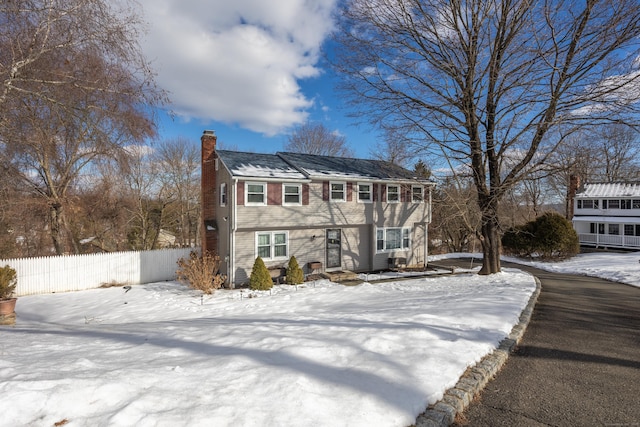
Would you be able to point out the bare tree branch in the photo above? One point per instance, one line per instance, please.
(497, 84)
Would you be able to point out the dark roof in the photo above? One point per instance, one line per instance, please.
(258, 165)
(321, 166)
(286, 165)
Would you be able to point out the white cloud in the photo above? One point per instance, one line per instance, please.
(237, 62)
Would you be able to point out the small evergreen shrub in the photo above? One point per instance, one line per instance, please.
(295, 275)
(201, 273)
(8, 282)
(260, 279)
(549, 236)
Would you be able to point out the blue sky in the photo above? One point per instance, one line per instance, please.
(250, 70)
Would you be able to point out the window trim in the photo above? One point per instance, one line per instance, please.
(368, 184)
(344, 191)
(397, 193)
(284, 194)
(405, 239)
(246, 193)
(223, 194)
(272, 244)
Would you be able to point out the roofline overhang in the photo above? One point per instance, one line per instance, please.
(372, 180)
(270, 179)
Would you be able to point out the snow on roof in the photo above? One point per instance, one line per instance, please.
(340, 167)
(256, 165)
(305, 166)
(612, 189)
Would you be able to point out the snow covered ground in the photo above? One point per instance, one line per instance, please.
(321, 354)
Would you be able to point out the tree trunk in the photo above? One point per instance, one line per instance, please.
(490, 239)
(73, 242)
(55, 212)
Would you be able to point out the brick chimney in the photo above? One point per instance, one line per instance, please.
(208, 192)
(574, 185)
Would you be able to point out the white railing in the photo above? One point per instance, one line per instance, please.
(43, 275)
(609, 240)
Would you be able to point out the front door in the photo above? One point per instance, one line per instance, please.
(334, 248)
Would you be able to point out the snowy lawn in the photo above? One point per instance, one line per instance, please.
(319, 355)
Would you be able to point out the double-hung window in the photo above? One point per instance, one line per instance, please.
(393, 193)
(389, 239)
(256, 193)
(272, 245)
(364, 193)
(417, 194)
(292, 194)
(338, 192)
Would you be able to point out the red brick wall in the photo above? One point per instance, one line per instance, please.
(209, 191)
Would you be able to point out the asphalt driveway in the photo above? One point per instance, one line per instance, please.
(578, 363)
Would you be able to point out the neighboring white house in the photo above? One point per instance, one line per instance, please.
(608, 215)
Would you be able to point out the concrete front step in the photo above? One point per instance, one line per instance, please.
(339, 276)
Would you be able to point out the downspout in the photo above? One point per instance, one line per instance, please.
(426, 231)
(232, 237)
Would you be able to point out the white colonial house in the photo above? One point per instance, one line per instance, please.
(607, 215)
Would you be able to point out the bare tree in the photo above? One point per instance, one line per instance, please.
(396, 149)
(75, 88)
(316, 138)
(456, 218)
(485, 80)
(150, 196)
(617, 150)
(179, 164)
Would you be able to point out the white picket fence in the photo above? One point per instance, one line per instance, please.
(44, 275)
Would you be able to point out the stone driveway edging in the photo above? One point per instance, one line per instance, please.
(456, 399)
